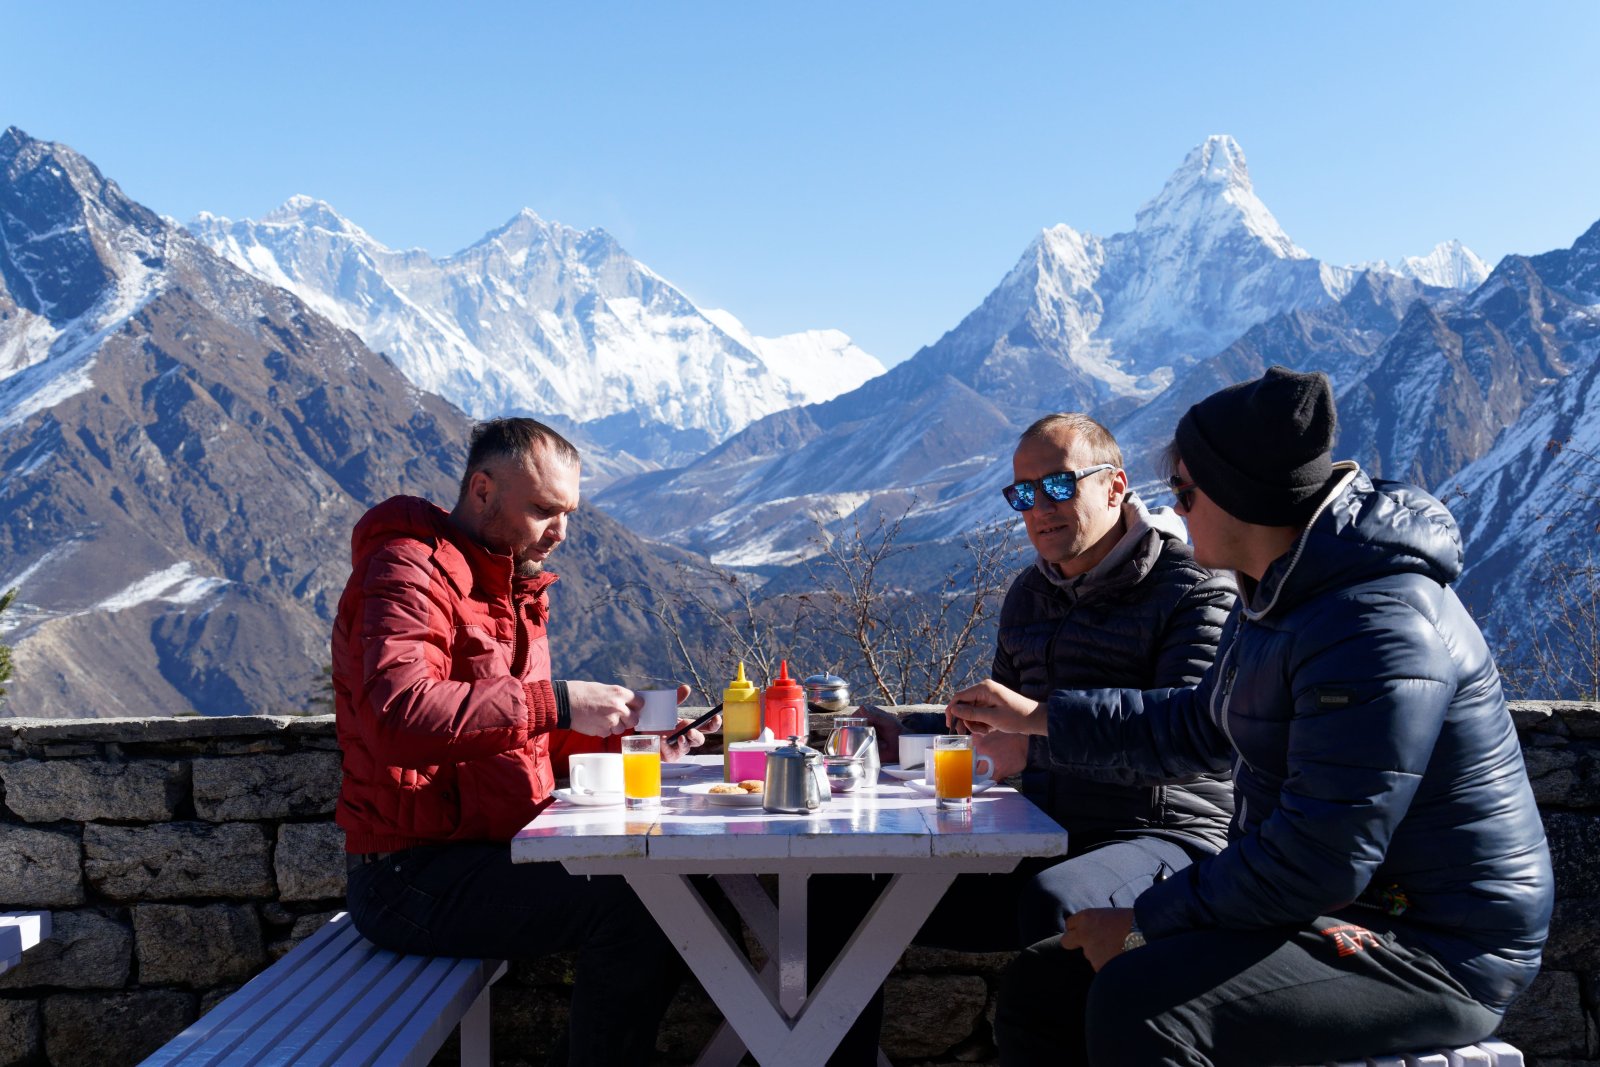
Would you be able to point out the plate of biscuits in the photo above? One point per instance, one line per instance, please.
(746, 794)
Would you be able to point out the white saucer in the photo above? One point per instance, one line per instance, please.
(905, 774)
(978, 785)
(588, 800)
(727, 800)
(678, 770)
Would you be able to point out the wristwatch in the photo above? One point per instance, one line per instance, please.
(1135, 938)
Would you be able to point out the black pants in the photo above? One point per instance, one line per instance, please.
(990, 913)
(471, 900)
(1330, 991)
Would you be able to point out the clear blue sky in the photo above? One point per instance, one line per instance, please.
(871, 167)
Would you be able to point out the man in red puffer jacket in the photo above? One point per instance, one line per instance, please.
(448, 720)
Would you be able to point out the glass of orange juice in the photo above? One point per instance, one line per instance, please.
(641, 770)
(952, 770)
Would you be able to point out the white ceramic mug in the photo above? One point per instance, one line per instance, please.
(660, 711)
(982, 770)
(914, 749)
(596, 772)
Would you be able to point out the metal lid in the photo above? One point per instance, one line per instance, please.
(825, 681)
(792, 750)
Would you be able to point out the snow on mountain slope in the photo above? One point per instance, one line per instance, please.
(540, 318)
(817, 365)
(1451, 265)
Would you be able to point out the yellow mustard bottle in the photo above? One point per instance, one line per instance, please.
(741, 716)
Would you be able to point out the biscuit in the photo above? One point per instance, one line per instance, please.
(752, 785)
(724, 788)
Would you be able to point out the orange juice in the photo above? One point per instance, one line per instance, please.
(952, 773)
(641, 775)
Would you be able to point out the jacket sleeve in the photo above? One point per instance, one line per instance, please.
(1188, 643)
(1370, 687)
(1161, 735)
(565, 743)
(418, 716)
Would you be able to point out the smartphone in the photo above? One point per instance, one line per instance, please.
(694, 725)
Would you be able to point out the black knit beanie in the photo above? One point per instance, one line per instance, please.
(1261, 449)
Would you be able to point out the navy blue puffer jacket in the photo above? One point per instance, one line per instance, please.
(1377, 772)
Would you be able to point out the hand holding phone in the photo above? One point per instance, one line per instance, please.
(684, 728)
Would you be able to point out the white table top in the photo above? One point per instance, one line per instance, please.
(891, 822)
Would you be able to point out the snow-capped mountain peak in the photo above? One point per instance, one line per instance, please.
(1451, 265)
(1208, 196)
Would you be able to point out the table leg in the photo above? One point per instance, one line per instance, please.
(792, 942)
(748, 1004)
(733, 985)
(744, 892)
(871, 953)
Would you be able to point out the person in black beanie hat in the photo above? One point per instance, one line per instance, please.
(1261, 449)
(1386, 885)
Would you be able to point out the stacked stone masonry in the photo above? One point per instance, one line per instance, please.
(179, 856)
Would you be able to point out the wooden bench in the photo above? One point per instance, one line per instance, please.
(1484, 1054)
(20, 931)
(336, 997)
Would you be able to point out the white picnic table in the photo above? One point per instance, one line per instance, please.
(891, 830)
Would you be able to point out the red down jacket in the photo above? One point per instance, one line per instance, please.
(441, 681)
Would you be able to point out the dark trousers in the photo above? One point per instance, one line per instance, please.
(471, 900)
(990, 912)
(1330, 991)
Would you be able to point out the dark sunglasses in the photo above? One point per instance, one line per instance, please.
(1061, 486)
(1183, 490)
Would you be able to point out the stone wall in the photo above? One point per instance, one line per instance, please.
(180, 856)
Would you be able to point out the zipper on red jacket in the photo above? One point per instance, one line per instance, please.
(520, 641)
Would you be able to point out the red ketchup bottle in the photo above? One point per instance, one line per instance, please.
(784, 706)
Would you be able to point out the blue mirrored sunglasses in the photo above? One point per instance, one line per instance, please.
(1061, 486)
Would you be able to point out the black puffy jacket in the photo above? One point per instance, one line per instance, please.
(1377, 770)
(1147, 616)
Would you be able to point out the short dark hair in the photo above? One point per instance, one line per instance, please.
(515, 439)
(1103, 448)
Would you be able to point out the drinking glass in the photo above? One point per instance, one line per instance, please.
(641, 770)
(952, 770)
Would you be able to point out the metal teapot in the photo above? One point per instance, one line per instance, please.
(828, 691)
(854, 736)
(796, 781)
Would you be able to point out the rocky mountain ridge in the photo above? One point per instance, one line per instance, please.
(183, 452)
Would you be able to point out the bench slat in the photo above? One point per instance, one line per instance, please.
(336, 998)
(314, 999)
(360, 1035)
(1501, 1054)
(1490, 1053)
(34, 926)
(427, 1027)
(209, 1037)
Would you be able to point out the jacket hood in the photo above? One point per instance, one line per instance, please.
(1363, 529)
(1131, 558)
(465, 562)
(399, 516)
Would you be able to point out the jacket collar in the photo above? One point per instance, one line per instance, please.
(1130, 559)
(469, 567)
(1265, 596)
